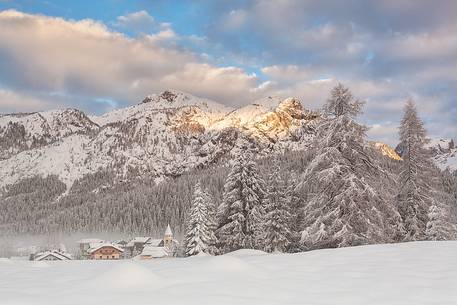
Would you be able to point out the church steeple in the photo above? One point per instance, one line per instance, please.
(168, 237)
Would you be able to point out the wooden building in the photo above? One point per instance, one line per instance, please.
(106, 251)
(51, 256)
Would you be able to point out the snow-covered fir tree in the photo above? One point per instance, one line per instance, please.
(438, 226)
(342, 205)
(449, 182)
(278, 236)
(296, 213)
(197, 238)
(211, 218)
(417, 174)
(241, 212)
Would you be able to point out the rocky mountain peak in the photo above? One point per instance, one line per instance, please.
(168, 95)
(386, 150)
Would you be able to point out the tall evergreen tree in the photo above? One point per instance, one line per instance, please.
(438, 226)
(417, 174)
(296, 213)
(342, 205)
(197, 233)
(449, 182)
(241, 211)
(211, 217)
(278, 236)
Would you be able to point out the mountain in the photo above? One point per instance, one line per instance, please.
(64, 171)
(444, 153)
(386, 150)
(166, 134)
(26, 131)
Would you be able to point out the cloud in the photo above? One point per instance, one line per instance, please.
(383, 133)
(139, 21)
(290, 73)
(234, 20)
(11, 101)
(385, 51)
(88, 59)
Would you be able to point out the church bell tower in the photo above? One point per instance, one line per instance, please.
(168, 238)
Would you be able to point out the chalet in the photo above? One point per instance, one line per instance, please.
(53, 255)
(137, 244)
(105, 251)
(86, 243)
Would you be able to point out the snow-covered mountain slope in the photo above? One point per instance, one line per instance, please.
(165, 135)
(21, 132)
(445, 153)
(413, 273)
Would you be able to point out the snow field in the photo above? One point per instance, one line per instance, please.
(411, 273)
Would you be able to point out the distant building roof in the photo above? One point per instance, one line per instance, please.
(138, 240)
(90, 241)
(99, 246)
(58, 255)
(154, 252)
(121, 242)
(154, 242)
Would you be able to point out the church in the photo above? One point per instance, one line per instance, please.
(146, 248)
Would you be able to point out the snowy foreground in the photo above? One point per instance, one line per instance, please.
(412, 273)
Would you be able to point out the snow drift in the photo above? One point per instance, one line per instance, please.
(401, 274)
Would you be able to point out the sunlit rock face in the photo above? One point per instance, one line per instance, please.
(386, 150)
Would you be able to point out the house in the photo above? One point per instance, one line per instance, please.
(86, 244)
(136, 245)
(121, 242)
(158, 248)
(53, 255)
(105, 251)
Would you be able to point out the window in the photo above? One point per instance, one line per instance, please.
(113, 256)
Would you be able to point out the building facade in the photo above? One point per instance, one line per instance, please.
(106, 252)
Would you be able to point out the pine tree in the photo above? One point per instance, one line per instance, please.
(342, 205)
(197, 233)
(241, 211)
(211, 216)
(438, 227)
(277, 219)
(417, 174)
(296, 210)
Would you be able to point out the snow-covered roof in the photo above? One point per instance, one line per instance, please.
(168, 231)
(141, 239)
(59, 255)
(138, 239)
(154, 251)
(90, 241)
(154, 242)
(99, 246)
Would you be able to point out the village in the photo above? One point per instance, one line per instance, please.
(140, 247)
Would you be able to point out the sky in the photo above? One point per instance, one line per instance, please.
(100, 55)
